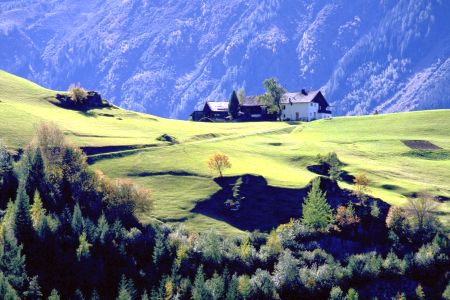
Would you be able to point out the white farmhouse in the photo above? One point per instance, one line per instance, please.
(304, 106)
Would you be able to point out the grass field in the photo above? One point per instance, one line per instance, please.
(178, 176)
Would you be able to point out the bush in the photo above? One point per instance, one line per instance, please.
(336, 294)
(77, 94)
(393, 265)
(167, 138)
(285, 274)
(262, 285)
(365, 266)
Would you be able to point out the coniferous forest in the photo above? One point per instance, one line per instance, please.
(70, 232)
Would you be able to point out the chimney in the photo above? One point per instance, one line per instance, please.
(304, 92)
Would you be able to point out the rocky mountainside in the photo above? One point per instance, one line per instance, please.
(166, 57)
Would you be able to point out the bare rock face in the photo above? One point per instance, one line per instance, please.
(166, 57)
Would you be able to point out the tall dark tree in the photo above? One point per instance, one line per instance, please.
(7, 292)
(77, 220)
(32, 172)
(8, 181)
(12, 261)
(21, 218)
(199, 291)
(34, 290)
(233, 106)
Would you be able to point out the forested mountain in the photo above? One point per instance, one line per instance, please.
(164, 57)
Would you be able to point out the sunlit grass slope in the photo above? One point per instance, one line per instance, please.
(281, 152)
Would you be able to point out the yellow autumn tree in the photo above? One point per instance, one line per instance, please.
(362, 183)
(218, 162)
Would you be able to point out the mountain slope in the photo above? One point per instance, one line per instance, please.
(123, 144)
(165, 57)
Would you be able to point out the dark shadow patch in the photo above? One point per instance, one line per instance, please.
(172, 173)
(390, 187)
(442, 198)
(296, 158)
(275, 144)
(420, 144)
(105, 115)
(323, 171)
(93, 150)
(265, 206)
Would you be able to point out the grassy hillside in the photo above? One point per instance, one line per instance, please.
(281, 152)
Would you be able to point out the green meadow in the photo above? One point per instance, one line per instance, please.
(281, 152)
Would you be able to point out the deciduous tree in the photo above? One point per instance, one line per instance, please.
(219, 162)
(421, 208)
(273, 95)
(362, 183)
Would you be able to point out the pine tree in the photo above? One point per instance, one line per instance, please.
(8, 181)
(102, 228)
(199, 291)
(232, 289)
(77, 220)
(317, 213)
(78, 295)
(37, 210)
(7, 292)
(233, 106)
(84, 246)
(144, 296)
(420, 293)
(34, 290)
(12, 262)
(32, 171)
(21, 219)
(159, 249)
(336, 293)
(352, 294)
(54, 295)
(95, 295)
(124, 290)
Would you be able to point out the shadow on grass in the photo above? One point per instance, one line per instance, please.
(323, 171)
(265, 206)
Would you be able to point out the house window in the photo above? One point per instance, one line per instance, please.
(284, 106)
(312, 104)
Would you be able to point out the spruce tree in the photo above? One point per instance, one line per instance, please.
(317, 213)
(159, 249)
(21, 219)
(7, 292)
(199, 291)
(77, 220)
(34, 290)
(8, 181)
(233, 106)
(37, 210)
(12, 261)
(54, 295)
(124, 290)
(232, 289)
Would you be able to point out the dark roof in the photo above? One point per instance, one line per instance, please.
(299, 97)
(218, 106)
(252, 101)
